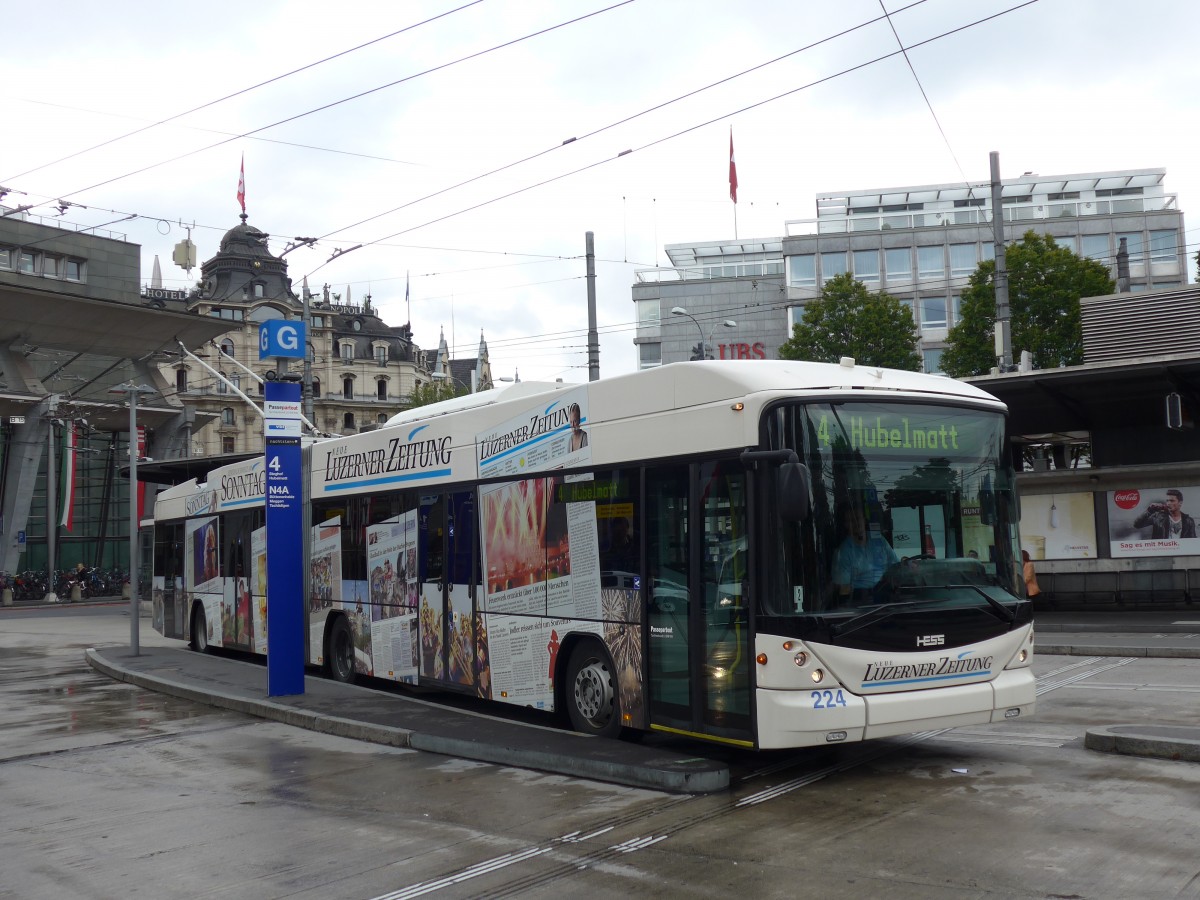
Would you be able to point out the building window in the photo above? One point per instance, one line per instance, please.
(348, 421)
(649, 355)
(832, 265)
(227, 444)
(316, 387)
(648, 313)
(933, 313)
(381, 389)
(6, 257)
(931, 262)
(899, 264)
(963, 259)
(866, 266)
(955, 310)
(1066, 241)
(26, 263)
(1095, 246)
(227, 416)
(348, 388)
(259, 292)
(803, 271)
(1164, 246)
(381, 418)
(346, 350)
(222, 387)
(236, 380)
(227, 347)
(381, 354)
(933, 360)
(1134, 244)
(50, 266)
(180, 381)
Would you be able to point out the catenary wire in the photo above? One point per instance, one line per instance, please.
(246, 90)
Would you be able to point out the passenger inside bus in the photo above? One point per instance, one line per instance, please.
(861, 559)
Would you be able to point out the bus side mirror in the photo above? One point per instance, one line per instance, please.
(795, 491)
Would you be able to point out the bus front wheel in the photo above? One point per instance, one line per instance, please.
(341, 652)
(199, 629)
(591, 691)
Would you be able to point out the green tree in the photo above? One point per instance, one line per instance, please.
(435, 391)
(1045, 283)
(849, 320)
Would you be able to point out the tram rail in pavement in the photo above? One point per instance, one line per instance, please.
(400, 721)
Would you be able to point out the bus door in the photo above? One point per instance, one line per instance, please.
(699, 640)
(462, 573)
(449, 572)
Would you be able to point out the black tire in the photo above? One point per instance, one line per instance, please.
(340, 652)
(592, 699)
(199, 629)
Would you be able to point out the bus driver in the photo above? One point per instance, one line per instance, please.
(861, 559)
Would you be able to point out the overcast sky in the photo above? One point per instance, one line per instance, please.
(1055, 86)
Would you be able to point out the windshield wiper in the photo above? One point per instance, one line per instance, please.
(874, 614)
(1001, 611)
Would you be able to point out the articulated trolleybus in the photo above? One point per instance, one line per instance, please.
(766, 554)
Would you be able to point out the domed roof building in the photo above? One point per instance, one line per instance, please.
(359, 372)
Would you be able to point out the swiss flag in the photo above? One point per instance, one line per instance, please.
(242, 177)
(732, 170)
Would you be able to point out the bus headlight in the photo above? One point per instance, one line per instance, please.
(817, 676)
(800, 659)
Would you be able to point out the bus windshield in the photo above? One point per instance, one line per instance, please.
(912, 504)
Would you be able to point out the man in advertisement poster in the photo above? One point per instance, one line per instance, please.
(1167, 519)
(579, 437)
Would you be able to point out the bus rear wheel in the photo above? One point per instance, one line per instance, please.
(199, 629)
(591, 691)
(341, 651)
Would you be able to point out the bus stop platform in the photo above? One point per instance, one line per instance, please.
(406, 721)
(389, 718)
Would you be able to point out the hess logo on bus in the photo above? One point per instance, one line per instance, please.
(931, 640)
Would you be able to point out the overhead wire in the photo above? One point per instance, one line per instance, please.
(359, 95)
(662, 140)
(247, 90)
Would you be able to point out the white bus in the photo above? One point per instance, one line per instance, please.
(760, 553)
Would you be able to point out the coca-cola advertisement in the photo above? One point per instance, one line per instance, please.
(1153, 521)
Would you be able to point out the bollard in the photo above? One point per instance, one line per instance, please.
(76, 592)
(127, 591)
(8, 597)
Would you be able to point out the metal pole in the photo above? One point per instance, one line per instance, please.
(51, 512)
(1000, 281)
(134, 603)
(306, 389)
(593, 333)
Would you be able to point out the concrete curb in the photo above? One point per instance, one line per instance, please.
(1174, 742)
(263, 709)
(602, 760)
(1047, 649)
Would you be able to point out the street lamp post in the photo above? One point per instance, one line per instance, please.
(134, 603)
(704, 341)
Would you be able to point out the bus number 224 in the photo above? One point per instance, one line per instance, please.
(828, 699)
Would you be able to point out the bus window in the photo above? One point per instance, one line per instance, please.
(618, 528)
